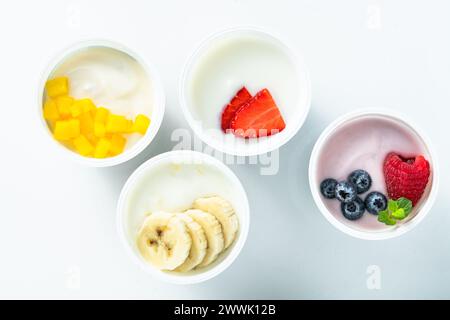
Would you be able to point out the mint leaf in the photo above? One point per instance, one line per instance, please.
(396, 210)
(383, 216)
(390, 222)
(405, 204)
(392, 205)
(400, 214)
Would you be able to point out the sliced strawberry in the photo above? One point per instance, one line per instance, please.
(241, 97)
(259, 116)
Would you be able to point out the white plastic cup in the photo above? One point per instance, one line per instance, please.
(157, 114)
(395, 231)
(225, 259)
(267, 144)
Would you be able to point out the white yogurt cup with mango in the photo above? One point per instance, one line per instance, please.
(111, 76)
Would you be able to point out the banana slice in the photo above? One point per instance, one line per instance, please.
(164, 241)
(199, 243)
(213, 232)
(224, 212)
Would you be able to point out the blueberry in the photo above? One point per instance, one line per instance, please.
(353, 210)
(375, 202)
(328, 188)
(361, 179)
(345, 191)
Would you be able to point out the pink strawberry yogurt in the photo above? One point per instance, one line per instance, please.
(363, 143)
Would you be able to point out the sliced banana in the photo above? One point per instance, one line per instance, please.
(213, 232)
(224, 212)
(164, 241)
(199, 243)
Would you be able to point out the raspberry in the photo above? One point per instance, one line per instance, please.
(406, 178)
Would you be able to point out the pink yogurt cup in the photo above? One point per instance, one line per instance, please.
(361, 140)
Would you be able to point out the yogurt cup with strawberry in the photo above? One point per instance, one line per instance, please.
(373, 174)
(245, 92)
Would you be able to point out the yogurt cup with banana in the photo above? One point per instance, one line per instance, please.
(183, 216)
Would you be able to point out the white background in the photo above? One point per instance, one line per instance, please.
(58, 218)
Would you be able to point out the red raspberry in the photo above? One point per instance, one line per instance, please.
(406, 178)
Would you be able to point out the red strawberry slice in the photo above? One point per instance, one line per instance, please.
(259, 116)
(241, 97)
(406, 177)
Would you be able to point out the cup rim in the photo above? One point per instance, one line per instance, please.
(234, 251)
(158, 112)
(386, 234)
(300, 65)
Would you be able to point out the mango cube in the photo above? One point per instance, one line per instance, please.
(141, 124)
(117, 144)
(130, 125)
(66, 129)
(64, 104)
(101, 115)
(82, 145)
(99, 129)
(85, 105)
(92, 139)
(51, 110)
(75, 110)
(57, 87)
(86, 123)
(102, 148)
(81, 126)
(117, 124)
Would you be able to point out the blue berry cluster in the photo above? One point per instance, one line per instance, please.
(348, 191)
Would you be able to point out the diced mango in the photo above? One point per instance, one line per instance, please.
(93, 139)
(99, 129)
(64, 104)
(82, 106)
(61, 130)
(80, 126)
(51, 110)
(102, 148)
(75, 110)
(101, 115)
(57, 87)
(86, 123)
(74, 127)
(130, 125)
(117, 124)
(83, 146)
(141, 124)
(117, 144)
(85, 105)
(66, 129)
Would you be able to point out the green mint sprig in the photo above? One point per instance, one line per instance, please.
(396, 210)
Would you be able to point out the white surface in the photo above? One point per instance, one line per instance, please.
(58, 218)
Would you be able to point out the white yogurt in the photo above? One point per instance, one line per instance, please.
(112, 79)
